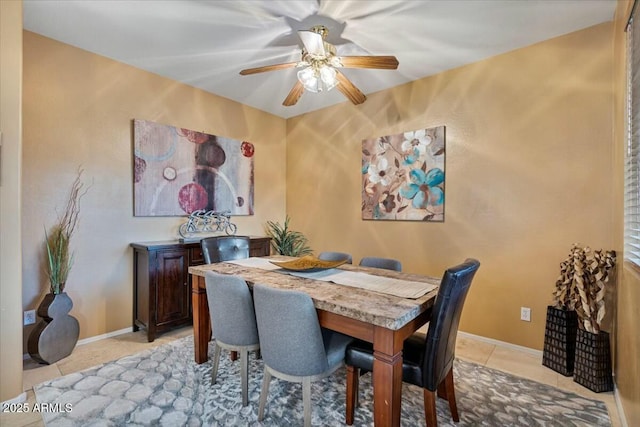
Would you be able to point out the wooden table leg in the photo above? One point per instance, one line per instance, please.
(387, 378)
(201, 320)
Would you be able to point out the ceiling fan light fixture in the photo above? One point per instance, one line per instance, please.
(318, 69)
(328, 77)
(318, 78)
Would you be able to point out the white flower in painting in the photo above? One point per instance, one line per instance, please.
(378, 172)
(416, 140)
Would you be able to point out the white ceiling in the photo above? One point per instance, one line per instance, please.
(206, 43)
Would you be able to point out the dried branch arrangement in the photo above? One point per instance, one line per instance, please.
(571, 269)
(58, 239)
(582, 284)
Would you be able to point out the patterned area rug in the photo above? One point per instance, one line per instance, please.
(165, 387)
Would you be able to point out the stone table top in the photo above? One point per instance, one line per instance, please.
(379, 309)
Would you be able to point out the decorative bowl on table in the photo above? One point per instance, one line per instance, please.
(308, 263)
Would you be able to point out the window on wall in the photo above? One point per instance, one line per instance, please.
(632, 155)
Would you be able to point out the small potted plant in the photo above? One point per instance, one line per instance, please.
(56, 334)
(286, 241)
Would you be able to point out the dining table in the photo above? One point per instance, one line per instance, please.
(360, 303)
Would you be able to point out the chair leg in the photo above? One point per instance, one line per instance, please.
(430, 408)
(263, 393)
(216, 362)
(442, 390)
(244, 376)
(352, 392)
(451, 395)
(306, 400)
(356, 390)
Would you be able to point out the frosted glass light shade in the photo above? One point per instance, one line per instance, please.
(318, 79)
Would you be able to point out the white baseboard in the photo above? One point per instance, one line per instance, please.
(504, 344)
(103, 336)
(616, 396)
(94, 339)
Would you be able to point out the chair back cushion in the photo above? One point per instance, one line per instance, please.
(386, 263)
(443, 327)
(233, 319)
(290, 335)
(224, 248)
(335, 256)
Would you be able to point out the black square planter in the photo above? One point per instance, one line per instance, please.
(593, 361)
(560, 340)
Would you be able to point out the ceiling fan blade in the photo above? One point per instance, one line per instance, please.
(313, 42)
(381, 62)
(268, 68)
(349, 90)
(294, 95)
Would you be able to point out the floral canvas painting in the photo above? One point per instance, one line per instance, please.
(403, 176)
(178, 171)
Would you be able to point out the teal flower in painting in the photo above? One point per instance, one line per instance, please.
(423, 189)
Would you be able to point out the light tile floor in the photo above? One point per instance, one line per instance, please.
(528, 365)
(514, 361)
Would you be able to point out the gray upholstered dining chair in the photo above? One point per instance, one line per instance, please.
(386, 263)
(224, 248)
(427, 360)
(335, 256)
(294, 347)
(233, 321)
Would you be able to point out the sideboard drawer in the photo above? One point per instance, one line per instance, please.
(196, 257)
(260, 246)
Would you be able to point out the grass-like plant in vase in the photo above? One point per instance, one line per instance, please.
(58, 239)
(286, 241)
(56, 334)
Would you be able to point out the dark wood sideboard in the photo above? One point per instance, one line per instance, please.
(162, 283)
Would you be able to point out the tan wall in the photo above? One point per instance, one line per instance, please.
(78, 110)
(627, 338)
(627, 360)
(528, 173)
(10, 196)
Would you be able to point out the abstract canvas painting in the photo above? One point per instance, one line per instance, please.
(178, 171)
(403, 176)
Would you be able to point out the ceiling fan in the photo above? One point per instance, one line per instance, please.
(319, 67)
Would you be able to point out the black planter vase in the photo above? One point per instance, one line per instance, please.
(560, 340)
(593, 361)
(56, 334)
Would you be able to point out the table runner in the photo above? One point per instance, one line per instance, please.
(386, 285)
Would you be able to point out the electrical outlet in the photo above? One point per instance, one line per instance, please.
(29, 317)
(525, 314)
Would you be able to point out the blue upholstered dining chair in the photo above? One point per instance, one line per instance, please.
(427, 360)
(224, 248)
(233, 321)
(294, 347)
(335, 256)
(386, 263)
